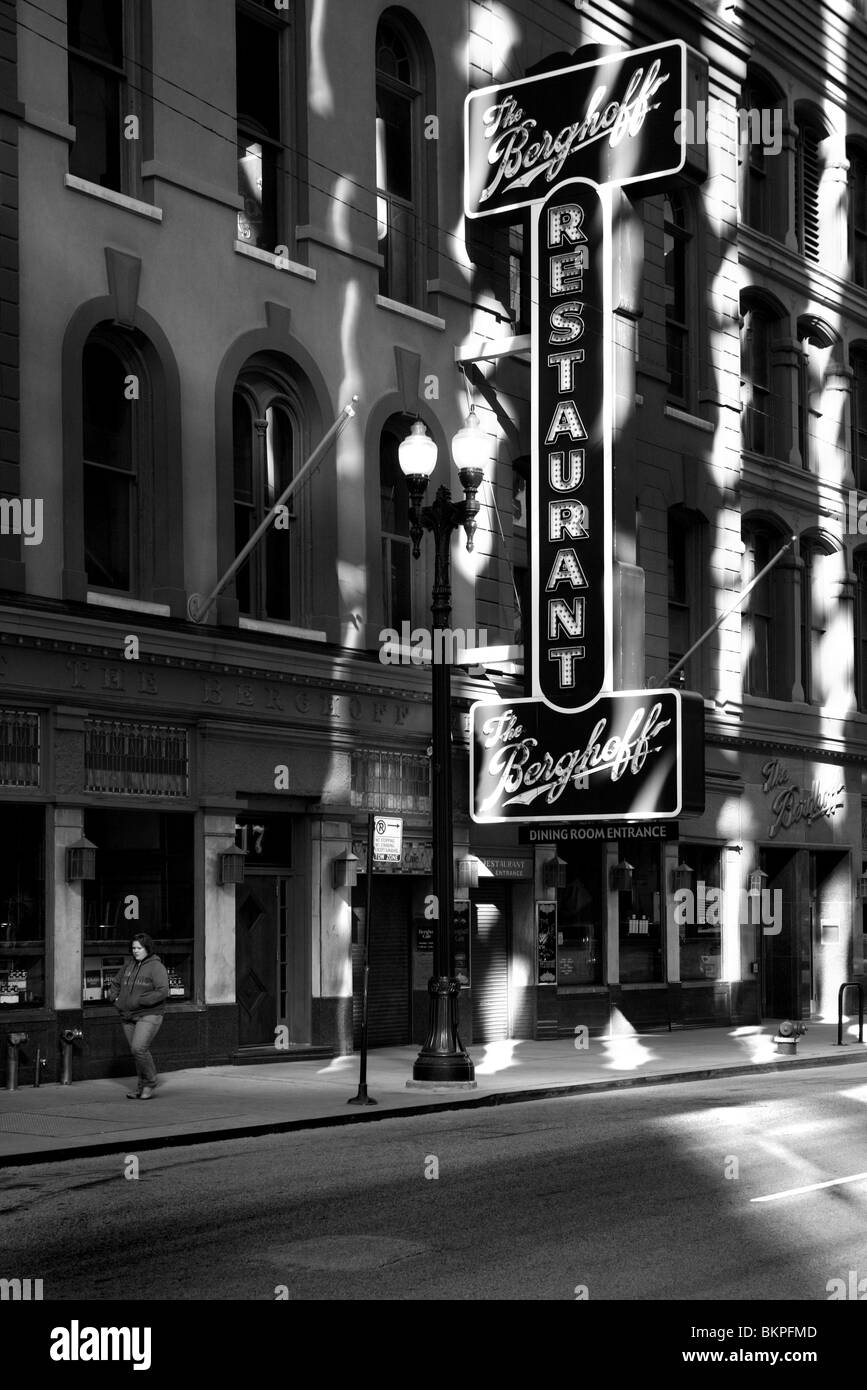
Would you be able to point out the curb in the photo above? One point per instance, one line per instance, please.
(464, 1102)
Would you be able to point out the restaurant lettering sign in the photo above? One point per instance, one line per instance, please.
(576, 749)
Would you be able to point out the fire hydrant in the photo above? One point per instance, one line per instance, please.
(67, 1038)
(13, 1042)
(786, 1037)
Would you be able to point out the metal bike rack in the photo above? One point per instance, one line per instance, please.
(850, 984)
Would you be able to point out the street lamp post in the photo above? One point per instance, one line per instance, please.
(443, 1057)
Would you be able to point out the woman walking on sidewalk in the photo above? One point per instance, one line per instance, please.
(141, 990)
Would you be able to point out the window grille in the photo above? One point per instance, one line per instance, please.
(19, 748)
(391, 782)
(136, 759)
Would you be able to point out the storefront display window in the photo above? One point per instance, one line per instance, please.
(698, 915)
(640, 915)
(144, 882)
(22, 907)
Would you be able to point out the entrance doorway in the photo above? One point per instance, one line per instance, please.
(779, 951)
(490, 962)
(389, 996)
(261, 949)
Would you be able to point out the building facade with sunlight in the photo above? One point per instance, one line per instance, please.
(232, 218)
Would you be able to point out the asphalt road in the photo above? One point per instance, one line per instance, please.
(647, 1194)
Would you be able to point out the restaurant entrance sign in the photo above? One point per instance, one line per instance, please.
(576, 749)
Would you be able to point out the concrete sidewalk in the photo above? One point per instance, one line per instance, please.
(51, 1122)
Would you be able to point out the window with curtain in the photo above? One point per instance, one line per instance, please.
(816, 346)
(399, 183)
(679, 590)
(266, 447)
(102, 40)
(264, 82)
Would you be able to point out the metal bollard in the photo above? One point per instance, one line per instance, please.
(13, 1042)
(67, 1038)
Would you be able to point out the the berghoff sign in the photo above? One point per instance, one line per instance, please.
(576, 750)
(612, 121)
(620, 759)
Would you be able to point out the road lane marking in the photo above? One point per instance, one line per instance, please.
(811, 1187)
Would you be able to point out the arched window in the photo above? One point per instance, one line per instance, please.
(818, 601)
(397, 568)
(117, 456)
(404, 203)
(104, 89)
(762, 614)
(266, 446)
(678, 295)
(856, 154)
(757, 415)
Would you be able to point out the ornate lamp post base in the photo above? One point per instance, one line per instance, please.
(442, 1058)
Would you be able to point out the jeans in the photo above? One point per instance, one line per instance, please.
(140, 1035)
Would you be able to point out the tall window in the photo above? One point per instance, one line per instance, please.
(265, 446)
(100, 37)
(857, 213)
(817, 600)
(117, 458)
(816, 346)
(519, 278)
(756, 416)
(675, 251)
(761, 641)
(763, 189)
(859, 417)
(699, 917)
(262, 40)
(678, 593)
(808, 176)
(861, 629)
(397, 569)
(399, 181)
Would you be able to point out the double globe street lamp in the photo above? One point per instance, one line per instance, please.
(443, 1057)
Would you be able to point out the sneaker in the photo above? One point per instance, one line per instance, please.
(146, 1093)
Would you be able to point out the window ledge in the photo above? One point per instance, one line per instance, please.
(309, 634)
(278, 262)
(674, 412)
(109, 195)
(133, 605)
(395, 307)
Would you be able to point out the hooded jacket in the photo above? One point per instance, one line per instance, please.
(142, 987)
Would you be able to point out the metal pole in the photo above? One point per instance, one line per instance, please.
(361, 1097)
(442, 1057)
(738, 601)
(198, 607)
